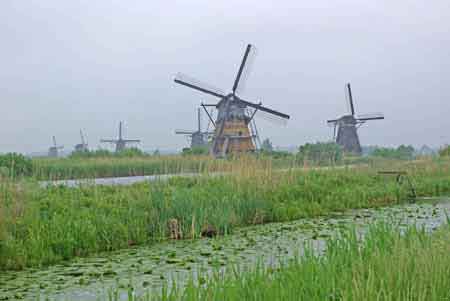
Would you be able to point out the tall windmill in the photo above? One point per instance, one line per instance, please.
(197, 138)
(83, 146)
(54, 150)
(347, 126)
(233, 125)
(120, 143)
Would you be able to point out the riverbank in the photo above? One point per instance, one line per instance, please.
(385, 266)
(40, 227)
(109, 167)
(141, 270)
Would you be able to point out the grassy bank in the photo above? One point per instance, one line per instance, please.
(77, 168)
(44, 226)
(386, 266)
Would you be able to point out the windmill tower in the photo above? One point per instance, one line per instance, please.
(347, 126)
(234, 131)
(197, 138)
(83, 146)
(120, 143)
(54, 150)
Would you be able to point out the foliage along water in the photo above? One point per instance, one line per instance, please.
(150, 267)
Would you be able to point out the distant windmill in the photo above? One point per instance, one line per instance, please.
(234, 130)
(120, 143)
(83, 146)
(197, 138)
(54, 150)
(347, 126)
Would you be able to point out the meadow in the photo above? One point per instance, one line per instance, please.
(120, 166)
(386, 265)
(116, 166)
(40, 227)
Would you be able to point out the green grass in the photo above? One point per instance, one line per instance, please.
(77, 168)
(385, 266)
(44, 226)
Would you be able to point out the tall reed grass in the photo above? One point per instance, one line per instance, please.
(385, 266)
(76, 168)
(44, 226)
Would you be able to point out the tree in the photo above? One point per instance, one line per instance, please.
(266, 146)
(198, 150)
(445, 151)
(13, 164)
(320, 153)
(402, 152)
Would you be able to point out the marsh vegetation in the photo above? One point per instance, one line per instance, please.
(53, 226)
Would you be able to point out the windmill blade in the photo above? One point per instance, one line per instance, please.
(244, 69)
(332, 122)
(260, 107)
(199, 119)
(269, 117)
(82, 138)
(190, 82)
(131, 141)
(373, 116)
(108, 141)
(350, 99)
(54, 141)
(209, 114)
(247, 71)
(181, 132)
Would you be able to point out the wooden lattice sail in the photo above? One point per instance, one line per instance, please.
(198, 138)
(120, 143)
(347, 126)
(234, 131)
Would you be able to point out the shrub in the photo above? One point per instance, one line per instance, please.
(402, 152)
(14, 164)
(445, 151)
(320, 153)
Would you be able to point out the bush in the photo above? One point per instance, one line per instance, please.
(103, 153)
(199, 150)
(402, 152)
(445, 151)
(320, 153)
(13, 164)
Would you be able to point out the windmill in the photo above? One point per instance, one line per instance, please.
(198, 138)
(53, 150)
(347, 126)
(83, 146)
(234, 128)
(120, 143)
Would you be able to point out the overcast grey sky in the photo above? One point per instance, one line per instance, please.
(90, 63)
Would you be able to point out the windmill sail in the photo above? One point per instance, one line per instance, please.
(233, 131)
(193, 83)
(350, 99)
(347, 125)
(372, 116)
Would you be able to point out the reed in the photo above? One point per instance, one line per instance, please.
(77, 168)
(45, 226)
(385, 266)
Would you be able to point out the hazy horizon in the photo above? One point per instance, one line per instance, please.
(91, 64)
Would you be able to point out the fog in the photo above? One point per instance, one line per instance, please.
(66, 65)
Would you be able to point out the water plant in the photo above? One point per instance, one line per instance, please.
(44, 226)
(386, 265)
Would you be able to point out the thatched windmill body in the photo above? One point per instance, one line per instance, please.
(120, 143)
(197, 138)
(347, 126)
(54, 150)
(233, 128)
(83, 146)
